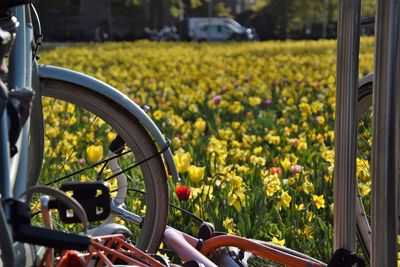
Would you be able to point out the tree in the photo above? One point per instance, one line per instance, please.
(294, 18)
(368, 8)
(156, 8)
(220, 10)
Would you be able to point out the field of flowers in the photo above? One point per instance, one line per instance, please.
(252, 128)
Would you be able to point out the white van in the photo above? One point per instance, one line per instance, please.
(218, 29)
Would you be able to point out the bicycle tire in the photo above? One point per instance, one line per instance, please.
(363, 226)
(138, 140)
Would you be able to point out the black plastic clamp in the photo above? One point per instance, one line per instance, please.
(345, 258)
(93, 196)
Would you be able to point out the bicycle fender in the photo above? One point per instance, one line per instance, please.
(63, 74)
(366, 79)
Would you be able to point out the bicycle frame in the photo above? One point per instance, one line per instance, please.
(24, 167)
(14, 171)
(20, 76)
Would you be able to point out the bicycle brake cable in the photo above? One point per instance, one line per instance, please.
(187, 212)
(39, 39)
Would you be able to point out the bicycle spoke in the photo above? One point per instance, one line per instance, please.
(87, 168)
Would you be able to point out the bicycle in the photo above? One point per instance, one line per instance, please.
(110, 244)
(102, 107)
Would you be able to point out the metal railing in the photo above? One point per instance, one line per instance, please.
(386, 104)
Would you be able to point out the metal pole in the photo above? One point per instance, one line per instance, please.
(210, 9)
(345, 125)
(385, 99)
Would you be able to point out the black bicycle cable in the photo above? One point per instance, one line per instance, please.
(39, 39)
(167, 146)
(87, 168)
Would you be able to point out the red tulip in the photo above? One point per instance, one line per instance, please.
(183, 192)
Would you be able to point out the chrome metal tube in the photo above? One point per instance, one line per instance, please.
(177, 242)
(385, 99)
(345, 127)
(5, 187)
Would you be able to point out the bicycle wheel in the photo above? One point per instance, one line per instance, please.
(363, 201)
(79, 127)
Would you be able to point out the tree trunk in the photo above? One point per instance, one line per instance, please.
(157, 13)
(284, 19)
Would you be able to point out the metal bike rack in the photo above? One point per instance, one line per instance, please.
(345, 125)
(385, 130)
(385, 164)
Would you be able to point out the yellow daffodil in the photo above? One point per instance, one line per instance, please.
(243, 169)
(254, 101)
(272, 184)
(237, 199)
(236, 107)
(229, 225)
(260, 161)
(364, 189)
(310, 216)
(235, 180)
(111, 136)
(316, 106)
(84, 178)
(157, 115)
(299, 207)
(176, 142)
(113, 186)
(286, 164)
(284, 200)
(278, 242)
(319, 201)
(308, 232)
(320, 119)
(200, 125)
(307, 187)
(363, 169)
(257, 150)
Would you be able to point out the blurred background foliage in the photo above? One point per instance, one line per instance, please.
(127, 19)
